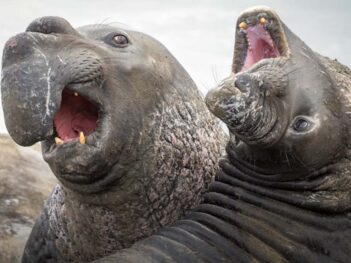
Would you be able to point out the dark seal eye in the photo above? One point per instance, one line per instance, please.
(120, 40)
(301, 125)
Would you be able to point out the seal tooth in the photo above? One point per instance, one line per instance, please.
(263, 21)
(81, 138)
(243, 25)
(76, 94)
(249, 44)
(58, 141)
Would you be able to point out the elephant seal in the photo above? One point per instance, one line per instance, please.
(123, 127)
(25, 182)
(283, 191)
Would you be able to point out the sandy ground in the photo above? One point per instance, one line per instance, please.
(25, 182)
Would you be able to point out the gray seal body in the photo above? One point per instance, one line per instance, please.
(123, 127)
(283, 192)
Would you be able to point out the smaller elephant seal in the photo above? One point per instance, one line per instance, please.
(283, 192)
(25, 182)
(123, 127)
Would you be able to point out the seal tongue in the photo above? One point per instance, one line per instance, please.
(76, 115)
(260, 45)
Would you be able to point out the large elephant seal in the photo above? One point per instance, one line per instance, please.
(123, 128)
(25, 182)
(283, 193)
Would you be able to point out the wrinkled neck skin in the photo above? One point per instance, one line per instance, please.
(155, 188)
(247, 216)
(325, 190)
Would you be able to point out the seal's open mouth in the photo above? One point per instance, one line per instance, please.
(260, 35)
(76, 118)
(260, 45)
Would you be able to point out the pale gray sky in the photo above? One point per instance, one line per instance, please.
(199, 33)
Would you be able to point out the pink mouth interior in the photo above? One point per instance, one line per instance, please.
(260, 45)
(76, 115)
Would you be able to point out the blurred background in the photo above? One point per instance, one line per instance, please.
(199, 33)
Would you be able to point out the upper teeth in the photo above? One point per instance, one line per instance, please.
(263, 21)
(76, 94)
(243, 25)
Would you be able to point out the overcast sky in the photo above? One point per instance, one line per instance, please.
(199, 33)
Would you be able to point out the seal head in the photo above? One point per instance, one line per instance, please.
(280, 103)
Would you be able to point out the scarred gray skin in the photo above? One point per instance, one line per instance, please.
(153, 153)
(283, 192)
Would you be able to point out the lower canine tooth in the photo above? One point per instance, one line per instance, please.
(58, 141)
(81, 138)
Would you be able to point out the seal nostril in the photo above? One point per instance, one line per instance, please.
(243, 82)
(51, 25)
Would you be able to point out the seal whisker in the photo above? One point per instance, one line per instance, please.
(296, 157)
(214, 75)
(287, 158)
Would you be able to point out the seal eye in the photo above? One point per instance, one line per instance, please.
(301, 125)
(120, 40)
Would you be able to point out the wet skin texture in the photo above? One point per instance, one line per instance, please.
(122, 126)
(282, 193)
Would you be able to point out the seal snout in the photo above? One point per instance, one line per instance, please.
(39, 73)
(27, 72)
(249, 104)
(234, 99)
